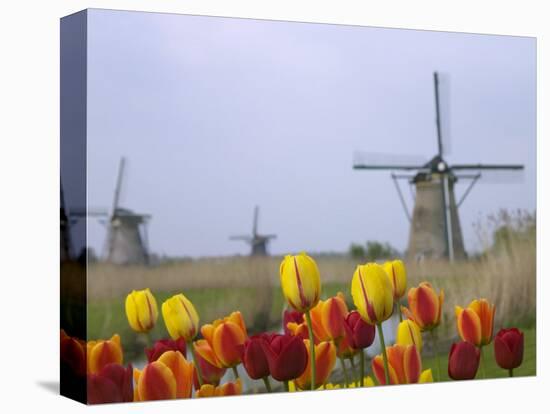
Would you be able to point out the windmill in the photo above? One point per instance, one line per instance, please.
(126, 231)
(257, 242)
(435, 230)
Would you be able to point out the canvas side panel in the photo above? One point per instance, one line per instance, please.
(73, 44)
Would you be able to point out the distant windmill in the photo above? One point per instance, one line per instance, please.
(435, 227)
(126, 244)
(257, 242)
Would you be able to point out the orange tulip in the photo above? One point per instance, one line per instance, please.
(155, 382)
(229, 388)
(226, 337)
(325, 358)
(475, 323)
(404, 363)
(182, 371)
(103, 352)
(424, 306)
(333, 314)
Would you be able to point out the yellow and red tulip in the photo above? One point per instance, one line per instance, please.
(325, 358)
(408, 333)
(404, 363)
(372, 293)
(227, 337)
(424, 306)
(103, 352)
(141, 310)
(475, 323)
(211, 368)
(180, 317)
(182, 371)
(300, 281)
(229, 388)
(155, 382)
(398, 277)
(333, 314)
(291, 316)
(301, 329)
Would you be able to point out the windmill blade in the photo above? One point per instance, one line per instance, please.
(491, 173)
(255, 222)
(268, 236)
(487, 167)
(380, 161)
(444, 98)
(118, 187)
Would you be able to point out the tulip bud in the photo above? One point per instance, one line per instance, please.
(211, 367)
(300, 282)
(156, 382)
(404, 364)
(509, 348)
(229, 388)
(180, 317)
(254, 359)
(163, 345)
(398, 277)
(424, 306)
(226, 337)
(475, 323)
(361, 334)
(141, 310)
(333, 313)
(325, 358)
(112, 384)
(463, 361)
(426, 376)
(103, 352)
(372, 293)
(408, 333)
(287, 356)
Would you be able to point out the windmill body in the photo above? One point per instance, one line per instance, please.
(258, 243)
(125, 242)
(435, 230)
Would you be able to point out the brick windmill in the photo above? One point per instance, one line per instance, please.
(435, 230)
(257, 242)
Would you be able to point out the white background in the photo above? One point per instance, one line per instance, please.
(29, 175)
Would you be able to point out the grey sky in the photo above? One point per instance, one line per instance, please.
(216, 115)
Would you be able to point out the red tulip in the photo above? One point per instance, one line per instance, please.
(287, 356)
(254, 359)
(163, 345)
(359, 333)
(73, 354)
(509, 348)
(291, 316)
(463, 361)
(211, 367)
(113, 383)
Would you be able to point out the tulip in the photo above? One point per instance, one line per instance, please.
(182, 371)
(333, 313)
(475, 323)
(408, 333)
(424, 306)
(210, 366)
(254, 359)
(300, 282)
(103, 352)
(141, 310)
(226, 337)
(287, 356)
(395, 270)
(405, 365)
(325, 358)
(180, 317)
(301, 330)
(156, 382)
(361, 333)
(113, 383)
(73, 354)
(426, 377)
(163, 345)
(373, 297)
(229, 388)
(509, 349)
(463, 361)
(291, 316)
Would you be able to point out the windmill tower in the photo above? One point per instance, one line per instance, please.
(435, 230)
(127, 231)
(258, 243)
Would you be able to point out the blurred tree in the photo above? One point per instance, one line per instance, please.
(372, 251)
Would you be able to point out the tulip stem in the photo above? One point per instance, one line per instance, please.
(511, 372)
(196, 361)
(311, 350)
(287, 389)
(362, 367)
(267, 384)
(346, 378)
(235, 372)
(436, 355)
(384, 354)
(353, 369)
(399, 311)
(482, 362)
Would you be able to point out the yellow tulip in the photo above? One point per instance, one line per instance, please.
(141, 310)
(426, 376)
(300, 282)
(180, 317)
(408, 333)
(372, 293)
(398, 277)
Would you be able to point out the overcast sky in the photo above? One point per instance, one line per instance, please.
(216, 115)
